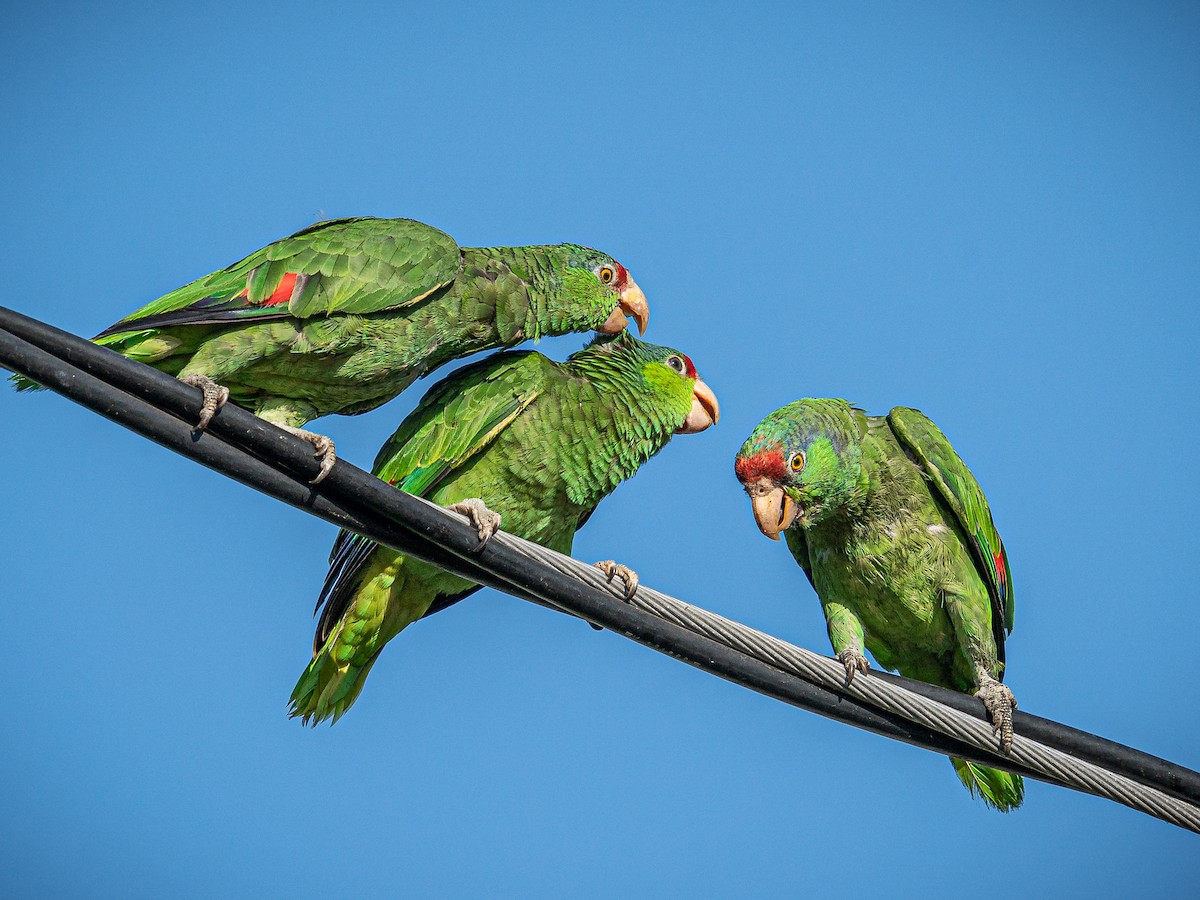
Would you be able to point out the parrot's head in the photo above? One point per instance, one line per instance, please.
(598, 290)
(801, 464)
(667, 376)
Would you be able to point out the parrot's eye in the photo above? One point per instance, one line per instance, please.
(677, 364)
(797, 462)
(607, 274)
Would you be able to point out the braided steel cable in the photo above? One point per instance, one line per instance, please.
(1048, 762)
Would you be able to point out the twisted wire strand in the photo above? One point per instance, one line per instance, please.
(829, 673)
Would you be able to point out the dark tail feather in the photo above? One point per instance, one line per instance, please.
(999, 790)
(206, 312)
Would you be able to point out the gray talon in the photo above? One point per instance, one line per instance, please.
(1000, 703)
(854, 661)
(612, 569)
(486, 522)
(215, 396)
(323, 449)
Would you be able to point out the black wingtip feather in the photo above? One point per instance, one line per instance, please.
(190, 317)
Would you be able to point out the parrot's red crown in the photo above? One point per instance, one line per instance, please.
(764, 464)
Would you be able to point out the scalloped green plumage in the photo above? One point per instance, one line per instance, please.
(344, 315)
(897, 538)
(540, 442)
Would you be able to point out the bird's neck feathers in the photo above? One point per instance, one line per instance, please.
(516, 281)
(836, 482)
(556, 297)
(631, 417)
(868, 498)
(891, 477)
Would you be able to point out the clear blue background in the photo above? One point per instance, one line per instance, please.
(988, 211)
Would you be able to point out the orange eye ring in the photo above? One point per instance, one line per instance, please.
(797, 462)
(607, 274)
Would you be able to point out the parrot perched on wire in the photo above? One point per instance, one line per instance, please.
(344, 315)
(516, 437)
(897, 539)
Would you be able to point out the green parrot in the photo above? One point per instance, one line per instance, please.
(344, 315)
(538, 441)
(896, 537)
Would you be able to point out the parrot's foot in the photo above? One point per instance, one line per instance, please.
(613, 570)
(323, 449)
(215, 396)
(485, 521)
(1000, 703)
(854, 661)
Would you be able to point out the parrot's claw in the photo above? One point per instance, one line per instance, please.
(323, 449)
(854, 661)
(485, 521)
(1000, 703)
(613, 570)
(215, 396)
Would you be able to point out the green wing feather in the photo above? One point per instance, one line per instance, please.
(457, 419)
(961, 493)
(344, 266)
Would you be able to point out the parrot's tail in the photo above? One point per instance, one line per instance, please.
(999, 790)
(327, 688)
(146, 347)
(21, 383)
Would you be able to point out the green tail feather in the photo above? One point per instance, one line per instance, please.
(999, 790)
(144, 346)
(324, 690)
(21, 383)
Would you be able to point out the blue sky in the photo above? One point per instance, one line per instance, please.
(990, 212)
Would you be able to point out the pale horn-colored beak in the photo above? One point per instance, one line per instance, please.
(705, 410)
(774, 511)
(631, 302)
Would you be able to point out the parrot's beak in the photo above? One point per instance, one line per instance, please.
(705, 410)
(774, 511)
(631, 302)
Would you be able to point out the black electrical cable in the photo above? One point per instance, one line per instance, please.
(129, 393)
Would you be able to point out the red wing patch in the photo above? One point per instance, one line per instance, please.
(283, 293)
